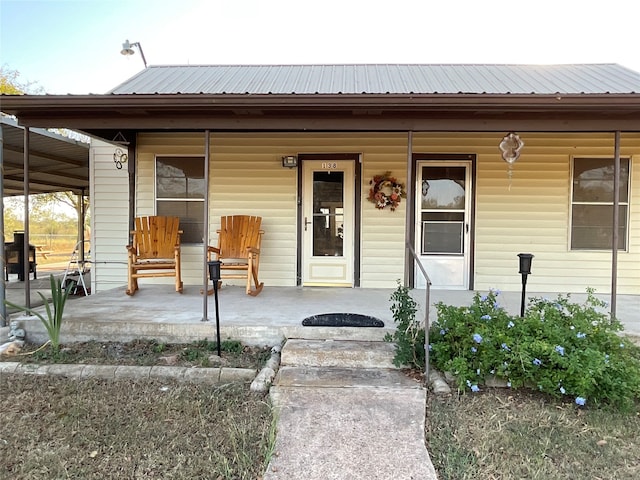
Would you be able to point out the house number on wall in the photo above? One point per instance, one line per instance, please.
(329, 165)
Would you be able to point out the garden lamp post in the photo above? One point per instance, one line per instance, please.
(525, 269)
(214, 274)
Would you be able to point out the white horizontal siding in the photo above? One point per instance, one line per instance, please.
(109, 218)
(529, 214)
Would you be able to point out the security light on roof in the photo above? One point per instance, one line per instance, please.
(127, 50)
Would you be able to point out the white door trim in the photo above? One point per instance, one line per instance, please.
(329, 268)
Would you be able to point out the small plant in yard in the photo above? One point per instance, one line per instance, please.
(409, 335)
(53, 322)
(561, 348)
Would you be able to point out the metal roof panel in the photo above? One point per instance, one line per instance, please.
(382, 79)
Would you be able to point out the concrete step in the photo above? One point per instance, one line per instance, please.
(338, 353)
(322, 377)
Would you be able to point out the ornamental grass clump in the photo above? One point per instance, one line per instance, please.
(53, 320)
(561, 348)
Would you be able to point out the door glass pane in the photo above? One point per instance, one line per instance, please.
(443, 188)
(442, 238)
(328, 213)
(443, 210)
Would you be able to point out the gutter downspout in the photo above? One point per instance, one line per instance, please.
(616, 223)
(205, 240)
(408, 224)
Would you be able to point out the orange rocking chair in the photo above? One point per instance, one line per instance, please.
(239, 250)
(155, 251)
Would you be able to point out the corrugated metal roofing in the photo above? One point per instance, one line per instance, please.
(56, 163)
(383, 79)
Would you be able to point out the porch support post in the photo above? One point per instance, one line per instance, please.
(205, 241)
(616, 222)
(408, 224)
(25, 246)
(131, 172)
(3, 285)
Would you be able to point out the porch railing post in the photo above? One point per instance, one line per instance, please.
(427, 305)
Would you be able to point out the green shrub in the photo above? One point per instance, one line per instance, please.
(409, 336)
(561, 348)
(231, 346)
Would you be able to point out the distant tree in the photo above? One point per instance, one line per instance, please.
(12, 223)
(11, 84)
(40, 205)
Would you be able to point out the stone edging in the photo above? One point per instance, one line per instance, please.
(204, 375)
(263, 380)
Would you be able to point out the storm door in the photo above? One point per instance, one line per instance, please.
(443, 223)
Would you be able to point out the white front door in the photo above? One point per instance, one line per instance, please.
(328, 222)
(443, 223)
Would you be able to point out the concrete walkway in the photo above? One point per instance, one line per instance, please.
(347, 415)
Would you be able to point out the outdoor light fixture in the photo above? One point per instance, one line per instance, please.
(214, 274)
(510, 146)
(525, 269)
(290, 161)
(128, 50)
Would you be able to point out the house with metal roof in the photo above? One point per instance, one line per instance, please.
(364, 173)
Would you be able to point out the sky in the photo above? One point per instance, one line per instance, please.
(73, 46)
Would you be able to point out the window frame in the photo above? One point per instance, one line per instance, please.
(621, 203)
(157, 199)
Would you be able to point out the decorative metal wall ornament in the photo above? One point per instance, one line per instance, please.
(119, 157)
(510, 146)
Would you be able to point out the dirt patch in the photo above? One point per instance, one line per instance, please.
(147, 353)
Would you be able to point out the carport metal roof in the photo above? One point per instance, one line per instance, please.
(56, 163)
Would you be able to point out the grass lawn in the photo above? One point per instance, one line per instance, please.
(503, 434)
(57, 428)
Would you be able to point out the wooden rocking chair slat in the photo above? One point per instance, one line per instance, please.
(238, 249)
(155, 251)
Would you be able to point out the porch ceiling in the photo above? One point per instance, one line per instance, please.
(362, 112)
(56, 163)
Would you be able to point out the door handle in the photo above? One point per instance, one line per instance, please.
(306, 222)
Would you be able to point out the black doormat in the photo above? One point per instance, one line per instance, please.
(342, 320)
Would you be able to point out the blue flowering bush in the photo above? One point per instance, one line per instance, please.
(562, 348)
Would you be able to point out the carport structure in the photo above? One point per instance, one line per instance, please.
(34, 161)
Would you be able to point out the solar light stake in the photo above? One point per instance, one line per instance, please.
(214, 274)
(525, 269)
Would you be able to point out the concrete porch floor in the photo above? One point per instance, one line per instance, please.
(158, 312)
